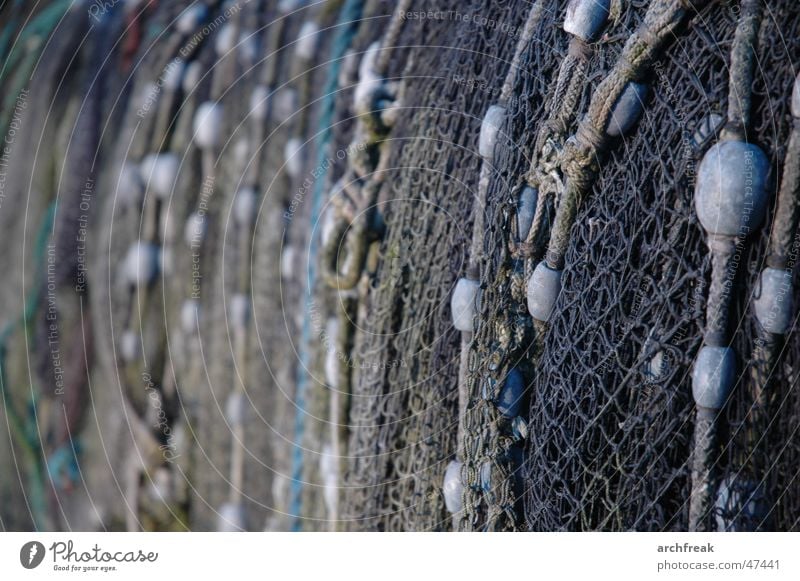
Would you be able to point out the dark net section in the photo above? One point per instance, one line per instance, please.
(604, 438)
(759, 478)
(504, 342)
(612, 412)
(405, 400)
(497, 314)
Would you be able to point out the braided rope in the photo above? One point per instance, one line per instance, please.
(349, 22)
(724, 250)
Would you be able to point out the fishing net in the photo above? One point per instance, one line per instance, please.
(758, 460)
(504, 335)
(609, 444)
(611, 413)
(250, 384)
(324, 316)
(404, 406)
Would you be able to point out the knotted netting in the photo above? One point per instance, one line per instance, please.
(404, 410)
(610, 427)
(758, 461)
(504, 337)
(327, 312)
(270, 340)
(611, 423)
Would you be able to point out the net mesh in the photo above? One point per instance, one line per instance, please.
(404, 407)
(611, 414)
(604, 438)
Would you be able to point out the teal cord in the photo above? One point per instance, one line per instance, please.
(62, 465)
(26, 428)
(349, 20)
(9, 30)
(42, 24)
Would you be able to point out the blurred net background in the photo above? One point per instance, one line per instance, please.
(232, 232)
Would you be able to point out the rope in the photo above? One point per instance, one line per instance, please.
(768, 351)
(477, 252)
(349, 21)
(741, 72)
(581, 154)
(43, 25)
(724, 249)
(26, 429)
(390, 39)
